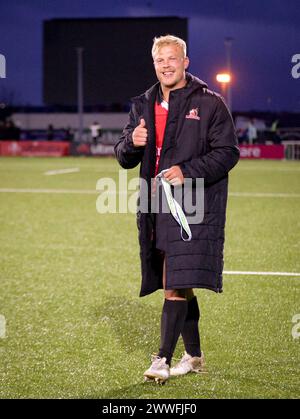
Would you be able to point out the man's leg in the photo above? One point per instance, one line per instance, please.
(190, 331)
(193, 359)
(172, 320)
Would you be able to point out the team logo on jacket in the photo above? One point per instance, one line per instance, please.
(193, 114)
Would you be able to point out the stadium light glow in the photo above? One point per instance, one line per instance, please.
(223, 78)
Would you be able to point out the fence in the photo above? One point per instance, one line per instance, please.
(291, 150)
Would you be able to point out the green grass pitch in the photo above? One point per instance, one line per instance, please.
(70, 277)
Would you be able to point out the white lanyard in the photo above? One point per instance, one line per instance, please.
(175, 208)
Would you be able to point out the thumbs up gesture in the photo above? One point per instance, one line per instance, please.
(140, 134)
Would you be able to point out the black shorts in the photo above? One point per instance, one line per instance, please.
(159, 233)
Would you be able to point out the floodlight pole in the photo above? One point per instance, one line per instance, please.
(79, 92)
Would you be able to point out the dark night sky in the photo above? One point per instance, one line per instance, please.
(266, 35)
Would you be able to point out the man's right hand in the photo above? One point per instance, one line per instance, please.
(140, 134)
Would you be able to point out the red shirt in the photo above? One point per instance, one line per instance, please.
(161, 115)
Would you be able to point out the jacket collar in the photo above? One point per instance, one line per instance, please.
(193, 84)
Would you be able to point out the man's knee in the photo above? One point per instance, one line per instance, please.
(175, 294)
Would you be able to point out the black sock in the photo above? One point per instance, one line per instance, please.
(190, 330)
(172, 319)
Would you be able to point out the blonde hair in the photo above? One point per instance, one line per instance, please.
(168, 40)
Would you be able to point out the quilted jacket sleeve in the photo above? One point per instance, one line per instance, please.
(127, 155)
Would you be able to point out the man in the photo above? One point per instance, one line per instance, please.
(179, 125)
(95, 129)
(251, 132)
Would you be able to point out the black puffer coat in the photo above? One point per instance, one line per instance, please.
(203, 147)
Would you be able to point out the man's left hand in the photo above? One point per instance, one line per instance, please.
(174, 176)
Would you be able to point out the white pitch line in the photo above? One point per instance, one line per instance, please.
(61, 171)
(270, 169)
(261, 273)
(53, 191)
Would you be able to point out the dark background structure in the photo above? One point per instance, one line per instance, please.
(117, 62)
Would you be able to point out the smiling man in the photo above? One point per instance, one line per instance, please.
(183, 129)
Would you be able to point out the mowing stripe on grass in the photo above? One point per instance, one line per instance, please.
(92, 191)
(264, 195)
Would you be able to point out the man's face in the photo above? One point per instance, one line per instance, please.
(170, 66)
